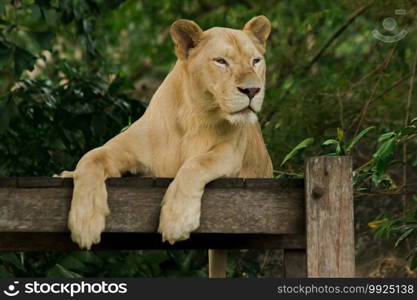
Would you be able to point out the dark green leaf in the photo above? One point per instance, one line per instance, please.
(7, 112)
(50, 16)
(297, 149)
(44, 39)
(386, 136)
(156, 256)
(4, 49)
(43, 3)
(36, 12)
(330, 142)
(384, 154)
(61, 272)
(4, 273)
(340, 149)
(408, 130)
(13, 259)
(357, 138)
(6, 56)
(405, 235)
(88, 257)
(5, 22)
(72, 263)
(386, 149)
(23, 60)
(113, 4)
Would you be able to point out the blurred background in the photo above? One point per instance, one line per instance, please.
(340, 81)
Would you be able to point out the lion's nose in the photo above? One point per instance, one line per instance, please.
(250, 92)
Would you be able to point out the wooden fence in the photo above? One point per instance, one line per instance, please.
(311, 219)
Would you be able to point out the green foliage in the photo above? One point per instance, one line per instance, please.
(75, 73)
(297, 149)
(357, 138)
(156, 263)
(404, 228)
(58, 123)
(374, 176)
(388, 144)
(342, 147)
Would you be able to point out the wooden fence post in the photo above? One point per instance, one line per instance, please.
(329, 217)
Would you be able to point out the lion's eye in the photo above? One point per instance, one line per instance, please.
(255, 61)
(220, 60)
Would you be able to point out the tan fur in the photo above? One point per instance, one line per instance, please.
(192, 130)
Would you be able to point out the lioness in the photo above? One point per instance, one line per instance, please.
(201, 124)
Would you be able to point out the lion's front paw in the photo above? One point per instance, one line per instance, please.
(86, 230)
(87, 216)
(176, 226)
(180, 215)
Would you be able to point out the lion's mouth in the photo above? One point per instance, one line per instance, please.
(246, 110)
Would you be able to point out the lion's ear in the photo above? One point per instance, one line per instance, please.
(260, 27)
(186, 34)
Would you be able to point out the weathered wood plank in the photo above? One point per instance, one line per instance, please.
(282, 184)
(8, 182)
(329, 217)
(295, 263)
(229, 206)
(61, 241)
(134, 181)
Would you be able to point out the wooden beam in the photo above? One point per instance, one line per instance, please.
(233, 212)
(329, 217)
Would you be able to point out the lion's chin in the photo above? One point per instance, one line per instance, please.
(242, 118)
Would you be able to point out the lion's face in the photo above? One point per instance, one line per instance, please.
(232, 70)
(228, 65)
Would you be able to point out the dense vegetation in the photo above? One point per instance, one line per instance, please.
(73, 73)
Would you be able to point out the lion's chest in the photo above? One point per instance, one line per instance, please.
(171, 153)
(196, 143)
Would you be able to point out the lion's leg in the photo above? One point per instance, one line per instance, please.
(180, 212)
(89, 202)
